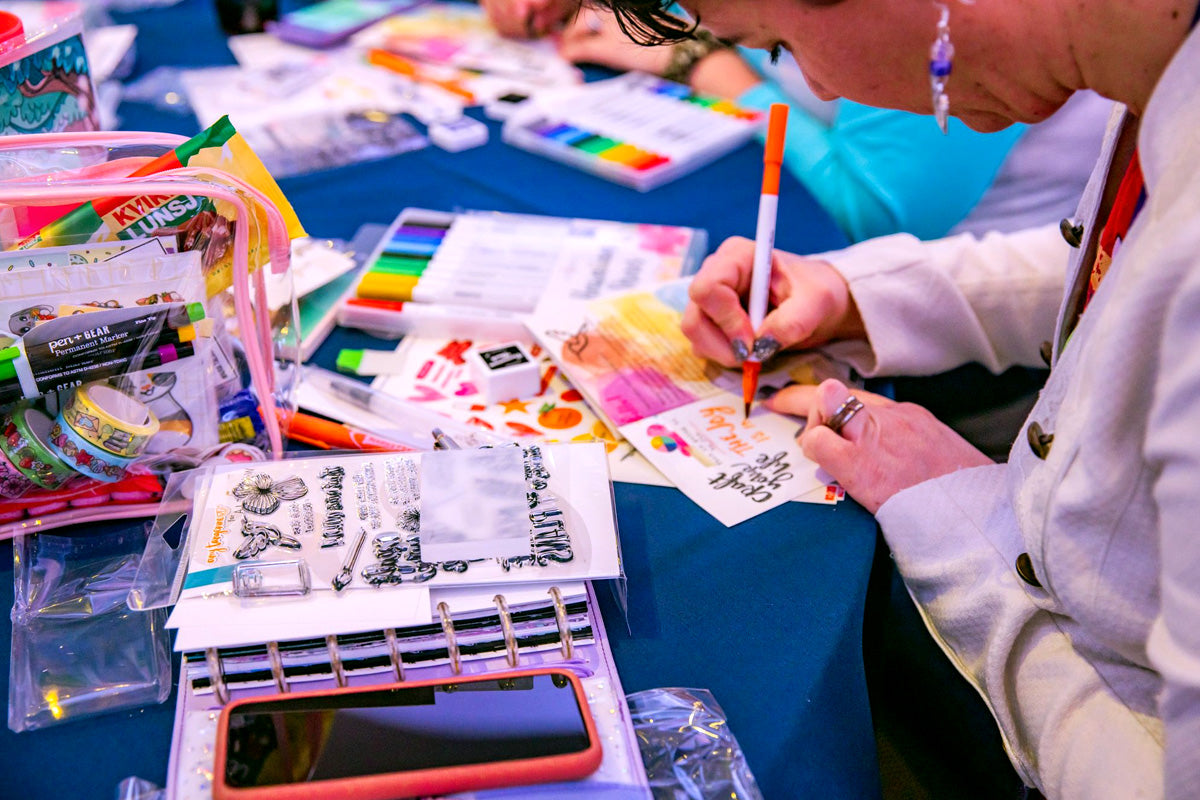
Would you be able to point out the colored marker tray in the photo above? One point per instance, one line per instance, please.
(636, 129)
(477, 273)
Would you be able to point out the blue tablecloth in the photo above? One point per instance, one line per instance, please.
(767, 615)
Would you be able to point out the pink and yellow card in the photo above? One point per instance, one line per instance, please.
(627, 355)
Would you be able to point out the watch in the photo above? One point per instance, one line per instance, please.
(685, 55)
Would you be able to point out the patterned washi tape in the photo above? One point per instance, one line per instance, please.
(85, 457)
(24, 440)
(13, 482)
(110, 419)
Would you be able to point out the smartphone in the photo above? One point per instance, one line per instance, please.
(332, 22)
(407, 739)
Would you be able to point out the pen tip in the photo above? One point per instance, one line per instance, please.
(747, 409)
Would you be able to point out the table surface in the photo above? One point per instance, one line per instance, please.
(767, 615)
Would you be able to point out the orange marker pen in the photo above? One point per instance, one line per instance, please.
(764, 245)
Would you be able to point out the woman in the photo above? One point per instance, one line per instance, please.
(876, 171)
(1064, 584)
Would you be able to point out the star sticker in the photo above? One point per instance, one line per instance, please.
(515, 405)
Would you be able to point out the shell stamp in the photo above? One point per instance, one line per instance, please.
(261, 494)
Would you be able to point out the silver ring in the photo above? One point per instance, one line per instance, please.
(845, 412)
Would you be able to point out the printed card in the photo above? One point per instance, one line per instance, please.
(628, 356)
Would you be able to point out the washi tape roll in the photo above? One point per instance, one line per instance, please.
(12, 482)
(110, 419)
(83, 456)
(25, 442)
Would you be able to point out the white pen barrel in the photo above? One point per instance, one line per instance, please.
(764, 244)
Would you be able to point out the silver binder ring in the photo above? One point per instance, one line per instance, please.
(564, 628)
(451, 640)
(216, 675)
(510, 639)
(394, 653)
(845, 412)
(335, 659)
(281, 684)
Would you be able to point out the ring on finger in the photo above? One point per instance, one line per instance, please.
(845, 412)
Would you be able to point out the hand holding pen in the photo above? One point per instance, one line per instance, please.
(808, 304)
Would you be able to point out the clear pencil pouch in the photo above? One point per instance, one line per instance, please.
(77, 648)
(137, 337)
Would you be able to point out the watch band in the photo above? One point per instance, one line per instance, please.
(687, 54)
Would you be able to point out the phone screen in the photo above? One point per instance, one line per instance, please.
(398, 729)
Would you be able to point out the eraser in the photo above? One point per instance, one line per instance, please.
(459, 134)
(503, 106)
(504, 372)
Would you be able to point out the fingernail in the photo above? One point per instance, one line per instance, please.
(740, 351)
(765, 347)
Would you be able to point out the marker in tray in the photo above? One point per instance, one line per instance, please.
(636, 129)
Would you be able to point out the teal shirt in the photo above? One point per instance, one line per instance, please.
(878, 171)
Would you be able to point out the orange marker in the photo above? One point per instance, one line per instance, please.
(401, 65)
(764, 244)
(329, 435)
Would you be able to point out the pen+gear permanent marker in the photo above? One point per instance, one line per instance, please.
(764, 245)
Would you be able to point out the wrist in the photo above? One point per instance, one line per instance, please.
(687, 54)
(723, 73)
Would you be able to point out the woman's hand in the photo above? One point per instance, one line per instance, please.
(884, 448)
(527, 19)
(810, 304)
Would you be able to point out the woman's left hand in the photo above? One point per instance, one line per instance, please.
(884, 448)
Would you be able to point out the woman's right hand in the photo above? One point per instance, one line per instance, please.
(809, 303)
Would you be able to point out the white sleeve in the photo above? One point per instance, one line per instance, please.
(1172, 442)
(955, 542)
(932, 306)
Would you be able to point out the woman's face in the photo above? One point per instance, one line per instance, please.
(872, 52)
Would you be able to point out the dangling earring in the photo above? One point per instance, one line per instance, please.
(941, 61)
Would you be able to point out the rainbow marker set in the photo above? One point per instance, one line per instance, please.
(477, 274)
(636, 129)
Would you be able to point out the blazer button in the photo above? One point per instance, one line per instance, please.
(1046, 351)
(1039, 440)
(1025, 570)
(1071, 231)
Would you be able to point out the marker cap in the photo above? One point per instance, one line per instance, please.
(8, 369)
(12, 32)
(195, 311)
(349, 360)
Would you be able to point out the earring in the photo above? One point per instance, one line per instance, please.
(941, 61)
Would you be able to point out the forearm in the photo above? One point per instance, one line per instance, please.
(931, 306)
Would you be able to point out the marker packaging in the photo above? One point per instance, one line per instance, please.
(128, 351)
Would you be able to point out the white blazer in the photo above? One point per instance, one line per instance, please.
(1093, 676)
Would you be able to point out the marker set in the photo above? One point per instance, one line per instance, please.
(477, 274)
(636, 129)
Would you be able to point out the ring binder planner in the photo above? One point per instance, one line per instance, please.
(335, 659)
(560, 617)
(394, 654)
(281, 684)
(510, 641)
(537, 625)
(451, 638)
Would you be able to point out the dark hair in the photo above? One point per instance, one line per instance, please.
(648, 21)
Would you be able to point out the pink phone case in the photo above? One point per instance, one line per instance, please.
(417, 783)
